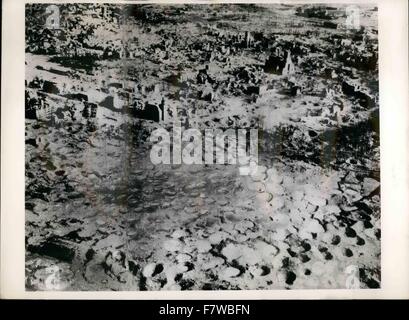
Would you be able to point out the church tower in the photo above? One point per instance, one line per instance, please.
(289, 68)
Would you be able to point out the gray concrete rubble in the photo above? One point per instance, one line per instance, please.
(101, 216)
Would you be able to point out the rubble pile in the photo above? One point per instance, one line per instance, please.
(101, 216)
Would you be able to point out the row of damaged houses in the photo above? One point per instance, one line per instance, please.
(48, 100)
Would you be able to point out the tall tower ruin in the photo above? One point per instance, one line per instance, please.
(289, 68)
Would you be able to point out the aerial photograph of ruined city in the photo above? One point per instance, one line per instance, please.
(135, 119)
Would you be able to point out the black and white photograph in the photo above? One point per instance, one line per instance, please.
(202, 146)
